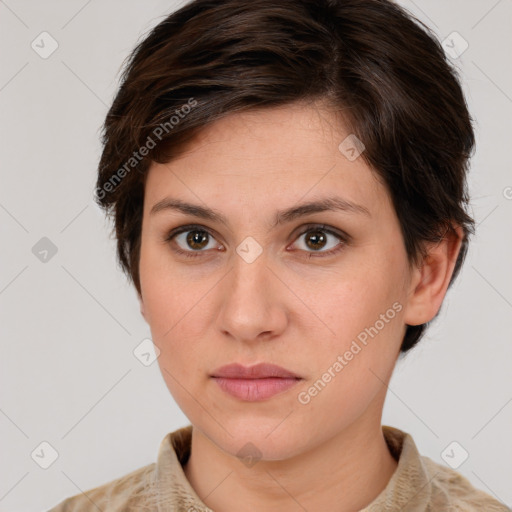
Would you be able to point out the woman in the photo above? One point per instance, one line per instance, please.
(288, 185)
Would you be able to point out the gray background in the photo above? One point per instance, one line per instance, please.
(69, 325)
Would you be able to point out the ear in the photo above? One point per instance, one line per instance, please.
(430, 280)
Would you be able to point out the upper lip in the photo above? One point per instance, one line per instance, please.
(258, 371)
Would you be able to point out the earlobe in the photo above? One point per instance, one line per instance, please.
(430, 280)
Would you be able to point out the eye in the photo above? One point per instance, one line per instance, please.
(317, 239)
(191, 240)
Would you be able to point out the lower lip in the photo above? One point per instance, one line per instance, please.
(254, 390)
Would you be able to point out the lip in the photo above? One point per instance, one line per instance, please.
(257, 371)
(254, 383)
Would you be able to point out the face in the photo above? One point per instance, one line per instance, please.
(321, 294)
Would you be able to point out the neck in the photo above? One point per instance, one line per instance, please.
(348, 471)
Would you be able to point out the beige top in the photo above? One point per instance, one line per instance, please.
(418, 484)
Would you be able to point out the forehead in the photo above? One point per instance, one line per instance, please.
(280, 156)
(289, 132)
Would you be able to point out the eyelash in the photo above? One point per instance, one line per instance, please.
(344, 238)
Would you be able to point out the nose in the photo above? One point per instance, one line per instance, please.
(252, 302)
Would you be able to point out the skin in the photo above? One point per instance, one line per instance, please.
(286, 308)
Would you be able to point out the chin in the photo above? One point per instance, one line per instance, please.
(258, 441)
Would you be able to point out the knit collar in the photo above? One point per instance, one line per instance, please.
(408, 487)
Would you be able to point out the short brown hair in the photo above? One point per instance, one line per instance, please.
(370, 58)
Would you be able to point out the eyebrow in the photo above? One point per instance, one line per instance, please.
(281, 216)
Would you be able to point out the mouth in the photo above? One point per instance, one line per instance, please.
(254, 383)
(258, 371)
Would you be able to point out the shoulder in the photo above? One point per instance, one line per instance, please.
(121, 494)
(419, 483)
(454, 493)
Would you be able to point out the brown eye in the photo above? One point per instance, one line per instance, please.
(191, 241)
(317, 238)
(196, 239)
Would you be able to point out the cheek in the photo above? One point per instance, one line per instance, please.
(167, 298)
(366, 290)
(365, 312)
(353, 366)
(173, 313)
